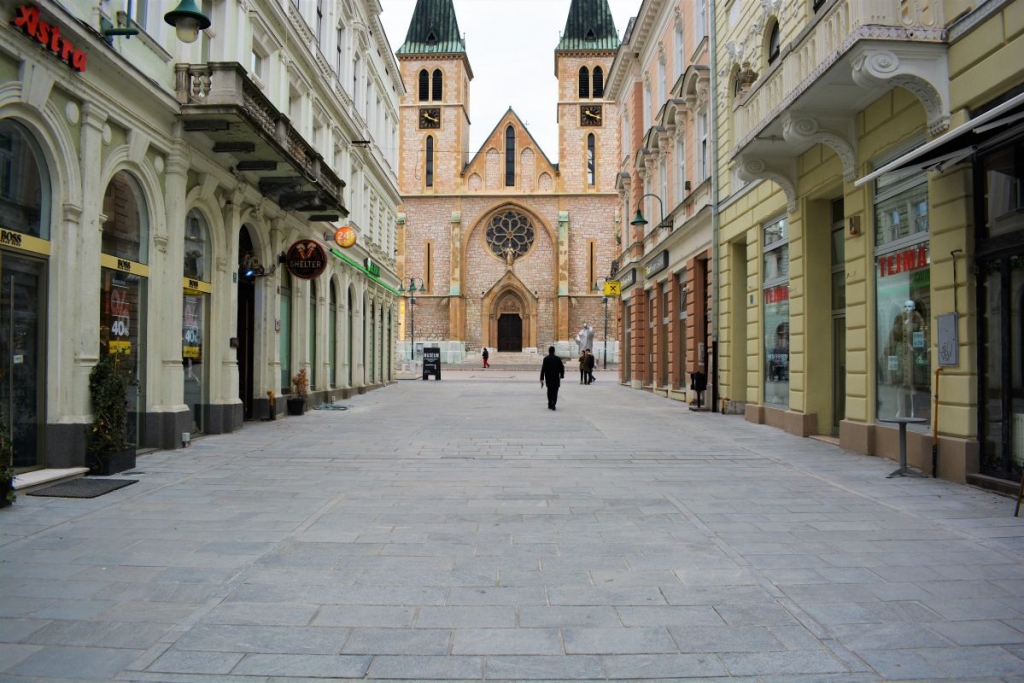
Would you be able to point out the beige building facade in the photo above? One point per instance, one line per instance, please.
(853, 196)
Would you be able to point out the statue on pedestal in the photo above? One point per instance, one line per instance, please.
(510, 255)
(585, 338)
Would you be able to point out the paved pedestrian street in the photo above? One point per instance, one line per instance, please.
(459, 530)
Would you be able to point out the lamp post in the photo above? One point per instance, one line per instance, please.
(412, 310)
(597, 287)
(187, 20)
(639, 219)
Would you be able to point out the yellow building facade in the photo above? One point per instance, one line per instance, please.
(852, 175)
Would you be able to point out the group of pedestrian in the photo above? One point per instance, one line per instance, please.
(587, 363)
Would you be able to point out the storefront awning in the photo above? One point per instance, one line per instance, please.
(958, 144)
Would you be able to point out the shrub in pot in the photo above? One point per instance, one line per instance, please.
(6, 465)
(109, 450)
(300, 393)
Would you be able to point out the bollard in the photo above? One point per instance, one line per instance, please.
(270, 399)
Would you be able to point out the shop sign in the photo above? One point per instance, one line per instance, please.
(371, 267)
(49, 37)
(192, 328)
(119, 306)
(912, 258)
(776, 295)
(305, 259)
(628, 278)
(657, 264)
(345, 236)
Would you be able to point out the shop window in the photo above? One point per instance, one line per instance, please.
(332, 336)
(775, 286)
(902, 297)
(1004, 190)
(24, 184)
(312, 334)
(125, 227)
(195, 246)
(285, 335)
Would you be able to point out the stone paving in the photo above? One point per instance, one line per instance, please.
(459, 530)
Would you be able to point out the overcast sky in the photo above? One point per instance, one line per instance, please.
(511, 47)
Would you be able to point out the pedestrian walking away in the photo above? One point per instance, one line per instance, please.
(485, 356)
(552, 371)
(590, 362)
(583, 367)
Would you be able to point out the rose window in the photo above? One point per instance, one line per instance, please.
(510, 230)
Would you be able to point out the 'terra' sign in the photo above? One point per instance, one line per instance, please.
(903, 261)
(371, 267)
(305, 259)
(49, 37)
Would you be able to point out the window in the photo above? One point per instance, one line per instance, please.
(662, 79)
(663, 180)
(140, 13)
(702, 122)
(428, 260)
(339, 54)
(701, 20)
(775, 294)
(681, 167)
(584, 83)
(598, 82)
(125, 230)
(510, 157)
(195, 246)
(319, 21)
(591, 162)
(647, 106)
(773, 43)
(438, 93)
(902, 296)
(818, 4)
(430, 161)
(509, 229)
(677, 40)
(24, 184)
(592, 263)
(424, 93)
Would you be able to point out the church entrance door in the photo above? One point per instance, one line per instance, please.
(510, 332)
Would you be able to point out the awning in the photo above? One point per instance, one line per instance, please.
(956, 145)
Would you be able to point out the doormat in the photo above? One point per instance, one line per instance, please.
(82, 488)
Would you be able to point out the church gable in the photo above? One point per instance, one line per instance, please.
(490, 168)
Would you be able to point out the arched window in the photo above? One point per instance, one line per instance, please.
(438, 93)
(598, 82)
(424, 85)
(196, 246)
(591, 159)
(430, 161)
(285, 336)
(510, 157)
(126, 228)
(584, 82)
(773, 43)
(332, 336)
(24, 183)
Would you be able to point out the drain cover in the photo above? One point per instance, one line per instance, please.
(82, 488)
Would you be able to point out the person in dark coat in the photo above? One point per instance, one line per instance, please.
(590, 361)
(486, 355)
(552, 371)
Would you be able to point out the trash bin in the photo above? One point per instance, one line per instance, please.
(432, 362)
(699, 384)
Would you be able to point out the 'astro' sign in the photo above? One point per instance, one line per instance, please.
(49, 37)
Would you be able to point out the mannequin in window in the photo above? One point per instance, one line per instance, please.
(906, 337)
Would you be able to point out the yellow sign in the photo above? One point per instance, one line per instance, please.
(612, 288)
(120, 347)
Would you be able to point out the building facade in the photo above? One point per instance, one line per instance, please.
(505, 248)
(865, 277)
(153, 194)
(660, 82)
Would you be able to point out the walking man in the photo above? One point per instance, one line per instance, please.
(486, 355)
(590, 361)
(552, 371)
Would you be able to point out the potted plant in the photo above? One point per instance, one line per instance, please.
(109, 449)
(300, 392)
(6, 466)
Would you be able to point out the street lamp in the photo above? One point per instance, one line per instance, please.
(600, 281)
(412, 310)
(639, 220)
(187, 20)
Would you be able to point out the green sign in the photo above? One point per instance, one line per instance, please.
(371, 267)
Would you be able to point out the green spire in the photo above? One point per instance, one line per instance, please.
(589, 27)
(433, 30)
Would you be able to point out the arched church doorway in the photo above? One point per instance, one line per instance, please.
(510, 332)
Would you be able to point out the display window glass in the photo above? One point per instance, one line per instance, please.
(903, 301)
(126, 225)
(24, 184)
(775, 294)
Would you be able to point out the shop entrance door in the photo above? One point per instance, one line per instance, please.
(838, 372)
(23, 356)
(510, 332)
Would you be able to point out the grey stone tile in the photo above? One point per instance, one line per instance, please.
(312, 666)
(875, 636)
(700, 639)
(16, 630)
(178, 662)
(681, 615)
(663, 666)
(149, 612)
(498, 616)
(789, 663)
(497, 595)
(973, 661)
(507, 641)
(382, 595)
(559, 595)
(263, 639)
(419, 667)
(75, 662)
(979, 632)
(972, 609)
(260, 614)
(526, 668)
(531, 616)
(617, 641)
(11, 655)
(363, 616)
(757, 614)
(398, 641)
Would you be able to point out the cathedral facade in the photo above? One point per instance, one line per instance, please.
(503, 248)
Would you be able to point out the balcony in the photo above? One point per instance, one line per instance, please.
(254, 139)
(852, 53)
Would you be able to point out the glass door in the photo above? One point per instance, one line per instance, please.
(23, 356)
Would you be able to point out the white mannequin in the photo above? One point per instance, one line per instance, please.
(910, 322)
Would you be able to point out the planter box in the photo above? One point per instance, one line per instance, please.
(296, 406)
(112, 462)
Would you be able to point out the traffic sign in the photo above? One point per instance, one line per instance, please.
(612, 288)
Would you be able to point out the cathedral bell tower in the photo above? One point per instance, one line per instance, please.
(434, 128)
(587, 123)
